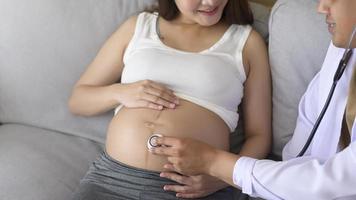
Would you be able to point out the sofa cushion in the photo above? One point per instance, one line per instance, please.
(44, 48)
(41, 164)
(297, 45)
(261, 17)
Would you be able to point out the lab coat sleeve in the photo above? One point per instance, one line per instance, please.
(299, 178)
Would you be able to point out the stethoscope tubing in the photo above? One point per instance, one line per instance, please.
(340, 70)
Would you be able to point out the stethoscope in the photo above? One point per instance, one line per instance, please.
(151, 142)
(340, 70)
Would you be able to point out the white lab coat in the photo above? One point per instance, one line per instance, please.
(324, 172)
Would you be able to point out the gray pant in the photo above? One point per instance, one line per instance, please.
(108, 179)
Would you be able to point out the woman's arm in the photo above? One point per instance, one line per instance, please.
(93, 93)
(257, 102)
(97, 91)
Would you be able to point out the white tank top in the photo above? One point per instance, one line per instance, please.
(212, 78)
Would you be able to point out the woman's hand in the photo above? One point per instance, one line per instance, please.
(145, 94)
(186, 156)
(193, 186)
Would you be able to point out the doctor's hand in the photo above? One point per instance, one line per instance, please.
(193, 186)
(145, 94)
(185, 156)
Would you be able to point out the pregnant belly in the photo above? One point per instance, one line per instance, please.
(130, 129)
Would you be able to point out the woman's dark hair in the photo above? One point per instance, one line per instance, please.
(235, 12)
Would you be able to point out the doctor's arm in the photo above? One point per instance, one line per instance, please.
(299, 178)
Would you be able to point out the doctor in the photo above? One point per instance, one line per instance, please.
(327, 170)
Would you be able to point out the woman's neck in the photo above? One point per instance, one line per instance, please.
(186, 24)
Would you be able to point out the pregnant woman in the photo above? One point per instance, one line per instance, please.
(183, 72)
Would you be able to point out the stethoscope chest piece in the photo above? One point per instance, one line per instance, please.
(151, 142)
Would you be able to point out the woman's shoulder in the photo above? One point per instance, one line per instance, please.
(129, 25)
(124, 32)
(138, 19)
(254, 49)
(239, 34)
(243, 37)
(255, 36)
(146, 16)
(254, 40)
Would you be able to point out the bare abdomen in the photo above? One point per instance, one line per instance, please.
(131, 127)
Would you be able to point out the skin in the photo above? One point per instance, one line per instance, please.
(192, 157)
(341, 19)
(194, 12)
(97, 91)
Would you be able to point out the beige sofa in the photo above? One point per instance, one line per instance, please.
(45, 45)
